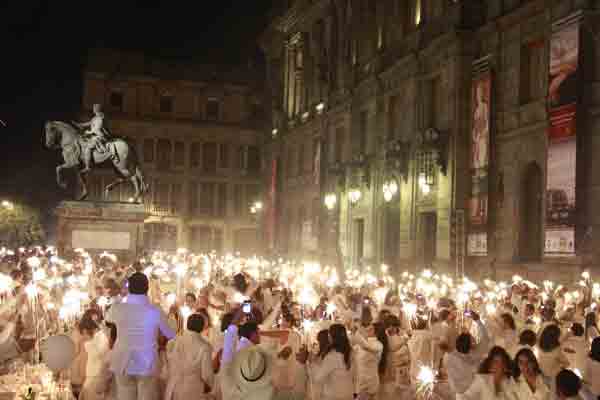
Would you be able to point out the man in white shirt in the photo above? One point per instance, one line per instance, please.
(135, 353)
(461, 364)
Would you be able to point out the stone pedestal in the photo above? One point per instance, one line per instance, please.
(117, 228)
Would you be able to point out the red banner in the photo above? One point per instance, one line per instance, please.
(562, 142)
(479, 163)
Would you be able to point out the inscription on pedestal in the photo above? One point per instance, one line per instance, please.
(101, 226)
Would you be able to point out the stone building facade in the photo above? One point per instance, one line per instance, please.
(196, 129)
(373, 105)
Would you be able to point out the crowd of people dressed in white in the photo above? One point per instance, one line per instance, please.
(246, 339)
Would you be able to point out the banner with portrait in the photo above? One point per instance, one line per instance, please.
(563, 98)
(479, 161)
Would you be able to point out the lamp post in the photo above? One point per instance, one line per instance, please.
(256, 210)
(331, 203)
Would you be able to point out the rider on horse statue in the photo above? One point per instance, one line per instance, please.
(97, 134)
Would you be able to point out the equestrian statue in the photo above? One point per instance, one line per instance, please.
(82, 149)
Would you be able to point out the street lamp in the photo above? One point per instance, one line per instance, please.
(354, 195)
(256, 207)
(330, 201)
(390, 188)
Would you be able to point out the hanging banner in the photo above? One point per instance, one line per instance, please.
(480, 160)
(562, 141)
(272, 211)
(317, 164)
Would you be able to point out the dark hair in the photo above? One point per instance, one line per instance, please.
(508, 320)
(535, 366)
(595, 349)
(496, 351)
(463, 343)
(568, 383)
(530, 307)
(248, 329)
(192, 295)
(195, 323)
(550, 338)
(112, 330)
(366, 317)
(577, 329)
(340, 343)
(138, 283)
(391, 321)
(443, 315)
(324, 343)
(590, 322)
(381, 335)
(528, 337)
(239, 283)
(204, 313)
(226, 321)
(87, 324)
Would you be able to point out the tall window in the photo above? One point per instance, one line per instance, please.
(252, 194)
(339, 144)
(195, 154)
(212, 108)
(223, 155)
(148, 150)
(207, 198)
(221, 199)
(238, 200)
(290, 162)
(392, 117)
(116, 100)
(166, 103)
(193, 200)
(163, 154)
(161, 194)
(176, 191)
(209, 157)
(179, 158)
(432, 102)
(363, 128)
(253, 162)
(531, 86)
(301, 151)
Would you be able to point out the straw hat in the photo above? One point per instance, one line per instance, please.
(249, 373)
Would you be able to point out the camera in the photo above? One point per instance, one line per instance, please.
(247, 307)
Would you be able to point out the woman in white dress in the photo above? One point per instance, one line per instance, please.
(334, 371)
(528, 377)
(370, 347)
(494, 380)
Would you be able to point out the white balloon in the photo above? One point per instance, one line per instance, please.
(58, 352)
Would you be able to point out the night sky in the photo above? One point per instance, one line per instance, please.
(43, 53)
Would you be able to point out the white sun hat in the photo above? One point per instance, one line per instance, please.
(249, 374)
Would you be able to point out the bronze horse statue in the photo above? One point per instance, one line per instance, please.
(60, 135)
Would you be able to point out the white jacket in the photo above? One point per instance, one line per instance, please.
(461, 368)
(368, 354)
(190, 367)
(483, 389)
(542, 391)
